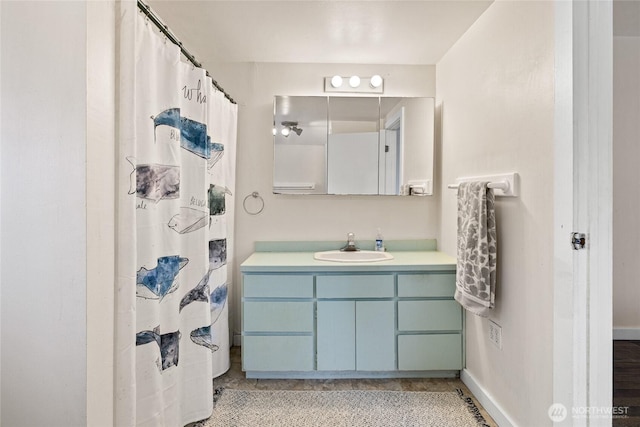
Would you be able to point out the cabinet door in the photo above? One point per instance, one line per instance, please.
(336, 336)
(375, 336)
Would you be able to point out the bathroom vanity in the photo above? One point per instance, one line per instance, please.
(306, 318)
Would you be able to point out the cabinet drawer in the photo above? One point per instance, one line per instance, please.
(265, 316)
(277, 286)
(355, 286)
(277, 353)
(435, 315)
(429, 352)
(426, 285)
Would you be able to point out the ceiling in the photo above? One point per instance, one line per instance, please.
(362, 32)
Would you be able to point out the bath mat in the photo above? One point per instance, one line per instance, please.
(351, 408)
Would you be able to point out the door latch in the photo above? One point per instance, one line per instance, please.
(578, 241)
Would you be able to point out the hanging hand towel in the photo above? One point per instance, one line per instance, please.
(476, 270)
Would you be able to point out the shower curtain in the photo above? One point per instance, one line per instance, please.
(175, 223)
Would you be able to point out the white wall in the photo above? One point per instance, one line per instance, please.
(101, 170)
(43, 133)
(626, 174)
(287, 217)
(0, 217)
(495, 96)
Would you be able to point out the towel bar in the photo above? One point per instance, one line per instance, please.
(505, 184)
(500, 185)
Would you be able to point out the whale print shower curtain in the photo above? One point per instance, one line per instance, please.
(175, 221)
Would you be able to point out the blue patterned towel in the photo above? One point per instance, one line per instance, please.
(476, 270)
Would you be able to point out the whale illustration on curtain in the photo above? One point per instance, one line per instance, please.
(175, 224)
(160, 281)
(193, 135)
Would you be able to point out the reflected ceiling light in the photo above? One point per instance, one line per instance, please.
(275, 131)
(374, 84)
(288, 127)
(336, 81)
(375, 81)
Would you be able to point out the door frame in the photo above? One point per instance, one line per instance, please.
(582, 355)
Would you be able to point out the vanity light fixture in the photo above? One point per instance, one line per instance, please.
(374, 84)
(375, 81)
(288, 127)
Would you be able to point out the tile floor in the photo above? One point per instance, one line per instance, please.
(236, 379)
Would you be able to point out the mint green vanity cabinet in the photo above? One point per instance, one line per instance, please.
(429, 323)
(304, 318)
(278, 323)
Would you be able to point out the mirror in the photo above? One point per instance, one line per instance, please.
(353, 145)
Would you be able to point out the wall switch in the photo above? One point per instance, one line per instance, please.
(495, 334)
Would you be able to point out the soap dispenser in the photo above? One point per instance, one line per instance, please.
(379, 242)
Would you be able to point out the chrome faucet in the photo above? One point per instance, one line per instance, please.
(351, 243)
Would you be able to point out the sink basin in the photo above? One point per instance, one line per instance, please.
(359, 256)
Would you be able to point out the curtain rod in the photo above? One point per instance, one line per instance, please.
(167, 32)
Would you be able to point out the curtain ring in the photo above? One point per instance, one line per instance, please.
(255, 195)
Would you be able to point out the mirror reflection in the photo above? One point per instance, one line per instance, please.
(353, 145)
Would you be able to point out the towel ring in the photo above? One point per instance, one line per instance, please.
(255, 195)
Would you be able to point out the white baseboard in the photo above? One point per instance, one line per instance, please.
(626, 334)
(496, 412)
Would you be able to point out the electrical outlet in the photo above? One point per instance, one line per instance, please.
(495, 334)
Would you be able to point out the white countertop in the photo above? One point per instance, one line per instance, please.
(407, 261)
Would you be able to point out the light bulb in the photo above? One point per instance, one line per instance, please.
(354, 81)
(336, 81)
(375, 81)
(285, 131)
